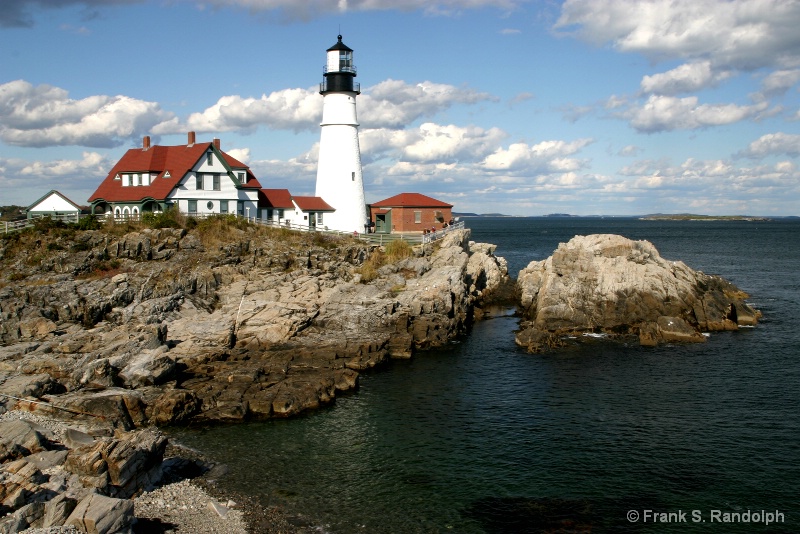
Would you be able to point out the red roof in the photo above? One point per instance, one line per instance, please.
(312, 204)
(275, 198)
(408, 200)
(177, 160)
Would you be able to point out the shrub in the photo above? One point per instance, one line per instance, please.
(171, 218)
(88, 222)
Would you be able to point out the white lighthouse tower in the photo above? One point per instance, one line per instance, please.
(339, 179)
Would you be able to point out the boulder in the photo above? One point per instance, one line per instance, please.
(611, 284)
(98, 514)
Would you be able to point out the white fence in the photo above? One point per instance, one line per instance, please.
(379, 238)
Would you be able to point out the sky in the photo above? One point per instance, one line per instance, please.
(520, 107)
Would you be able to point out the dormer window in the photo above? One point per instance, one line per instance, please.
(167, 174)
(117, 177)
(241, 177)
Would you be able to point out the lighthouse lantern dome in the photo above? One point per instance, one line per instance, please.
(340, 58)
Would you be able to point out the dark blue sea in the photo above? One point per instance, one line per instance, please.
(480, 437)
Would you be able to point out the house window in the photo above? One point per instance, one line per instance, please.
(241, 177)
(269, 213)
(240, 208)
(193, 206)
(216, 182)
(223, 206)
(210, 205)
(198, 182)
(417, 216)
(319, 218)
(210, 158)
(280, 214)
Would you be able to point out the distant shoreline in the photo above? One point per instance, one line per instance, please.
(692, 217)
(654, 217)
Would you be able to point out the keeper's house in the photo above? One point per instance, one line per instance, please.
(409, 212)
(199, 178)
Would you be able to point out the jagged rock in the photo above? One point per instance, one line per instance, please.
(614, 285)
(98, 514)
(22, 518)
(119, 466)
(20, 438)
(30, 385)
(57, 510)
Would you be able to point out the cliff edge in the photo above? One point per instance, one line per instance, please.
(221, 322)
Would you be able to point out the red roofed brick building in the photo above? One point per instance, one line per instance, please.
(409, 212)
(199, 178)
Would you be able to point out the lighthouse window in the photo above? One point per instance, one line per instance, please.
(353, 176)
(345, 60)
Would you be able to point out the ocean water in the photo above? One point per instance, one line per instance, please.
(480, 437)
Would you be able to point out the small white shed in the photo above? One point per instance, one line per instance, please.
(55, 205)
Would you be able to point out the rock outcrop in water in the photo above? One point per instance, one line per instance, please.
(165, 326)
(613, 285)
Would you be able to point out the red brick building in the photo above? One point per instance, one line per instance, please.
(409, 212)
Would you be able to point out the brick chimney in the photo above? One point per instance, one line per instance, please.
(191, 139)
(216, 143)
(146, 142)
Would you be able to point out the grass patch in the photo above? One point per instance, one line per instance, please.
(394, 251)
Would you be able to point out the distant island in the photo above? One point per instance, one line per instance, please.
(695, 217)
(468, 214)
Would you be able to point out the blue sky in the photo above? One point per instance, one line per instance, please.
(616, 107)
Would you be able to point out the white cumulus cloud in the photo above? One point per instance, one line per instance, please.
(741, 34)
(39, 116)
(546, 156)
(665, 113)
(686, 78)
(778, 143)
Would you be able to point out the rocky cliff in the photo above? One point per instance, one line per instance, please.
(124, 328)
(613, 285)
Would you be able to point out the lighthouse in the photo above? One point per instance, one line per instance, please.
(339, 179)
